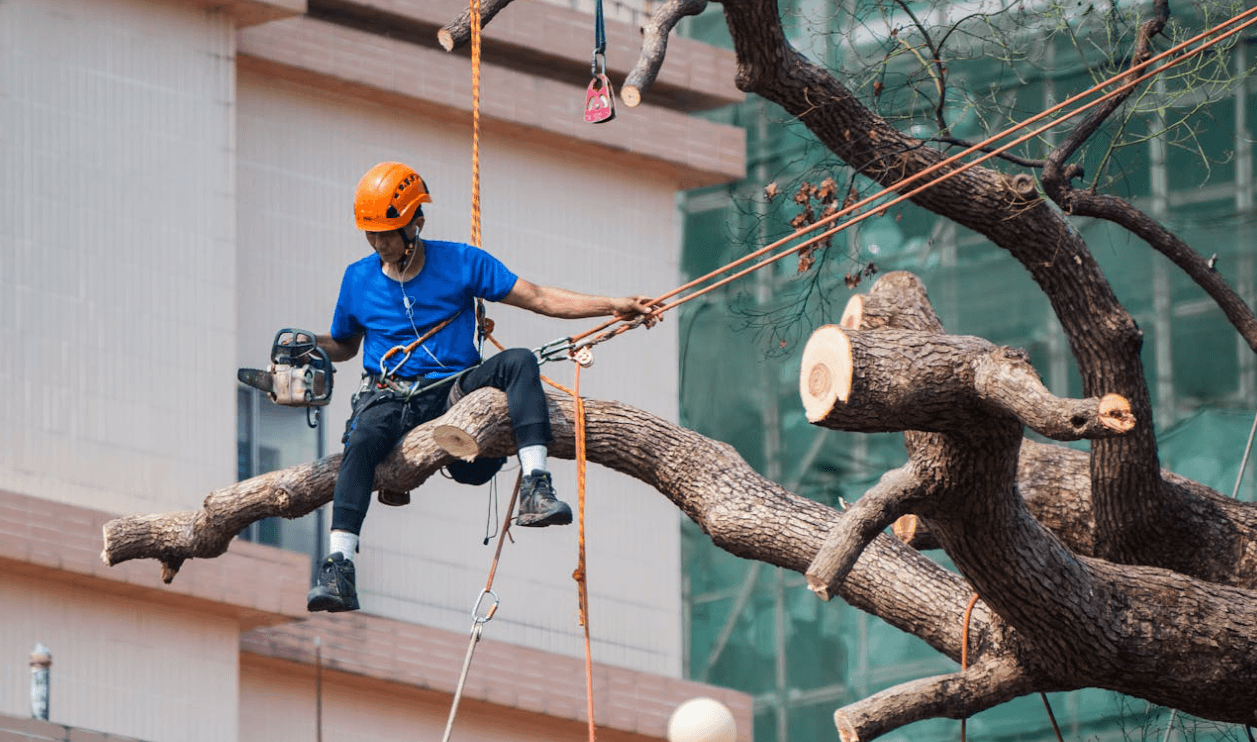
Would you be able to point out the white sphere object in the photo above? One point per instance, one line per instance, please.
(702, 720)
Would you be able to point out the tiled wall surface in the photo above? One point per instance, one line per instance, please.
(166, 204)
(117, 268)
(120, 664)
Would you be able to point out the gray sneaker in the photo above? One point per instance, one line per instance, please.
(538, 507)
(334, 589)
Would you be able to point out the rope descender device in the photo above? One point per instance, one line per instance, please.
(583, 356)
(599, 96)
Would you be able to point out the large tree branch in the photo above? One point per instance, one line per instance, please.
(1085, 616)
(1121, 212)
(889, 380)
(1215, 536)
(663, 18)
(960, 695)
(458, 31)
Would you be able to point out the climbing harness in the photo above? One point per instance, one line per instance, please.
(599, 96)
(409, 348)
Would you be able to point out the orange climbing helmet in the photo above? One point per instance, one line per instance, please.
(388, 196)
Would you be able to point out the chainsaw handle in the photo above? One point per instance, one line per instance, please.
(293, 346)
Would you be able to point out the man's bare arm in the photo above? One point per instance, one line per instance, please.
(338, 351)
(565, 304)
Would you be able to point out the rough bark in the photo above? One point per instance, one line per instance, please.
(1049, 619)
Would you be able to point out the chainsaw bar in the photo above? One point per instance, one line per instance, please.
(257, 378)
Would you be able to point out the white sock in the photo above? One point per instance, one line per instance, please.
(344, 542)
(532, 458)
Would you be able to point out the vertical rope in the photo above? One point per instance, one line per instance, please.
(579, 575)
(475, 123)
(964, 648)
(482, 323)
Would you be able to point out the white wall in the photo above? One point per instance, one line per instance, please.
(555, 219)
(117, 296)
(119, 665)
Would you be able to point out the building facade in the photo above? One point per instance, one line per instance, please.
(177, 186)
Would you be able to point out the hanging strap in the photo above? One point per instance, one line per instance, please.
(600, 32)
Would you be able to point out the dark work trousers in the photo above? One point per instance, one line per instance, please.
(381, 417)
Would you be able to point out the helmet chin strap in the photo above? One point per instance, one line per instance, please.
(410, 248)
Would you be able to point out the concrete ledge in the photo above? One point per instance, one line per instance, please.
(15, 729)
(514, 104)
(555, 41)
(254, 12)
(254, 584)
(522, 678)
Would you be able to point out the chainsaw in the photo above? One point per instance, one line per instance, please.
(300, 374)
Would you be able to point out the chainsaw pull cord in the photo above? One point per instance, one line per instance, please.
(482, 612)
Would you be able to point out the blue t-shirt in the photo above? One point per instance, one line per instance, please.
(453, 276)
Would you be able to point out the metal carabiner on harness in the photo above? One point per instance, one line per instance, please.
(555, 350)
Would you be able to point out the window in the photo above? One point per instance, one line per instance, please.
(271, 437)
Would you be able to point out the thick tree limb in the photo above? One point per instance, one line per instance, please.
(887, 380)
(1193, 264)
(1055, 482)
(957, 696)
(861, 523)
(663, 18)
(742, 512)
(458, 31)
(1059, 610)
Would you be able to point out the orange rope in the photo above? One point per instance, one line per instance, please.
(1124, 87)
(579, 574)
(489, 336)
(964, 648)
(475, 123)
(582, 586)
